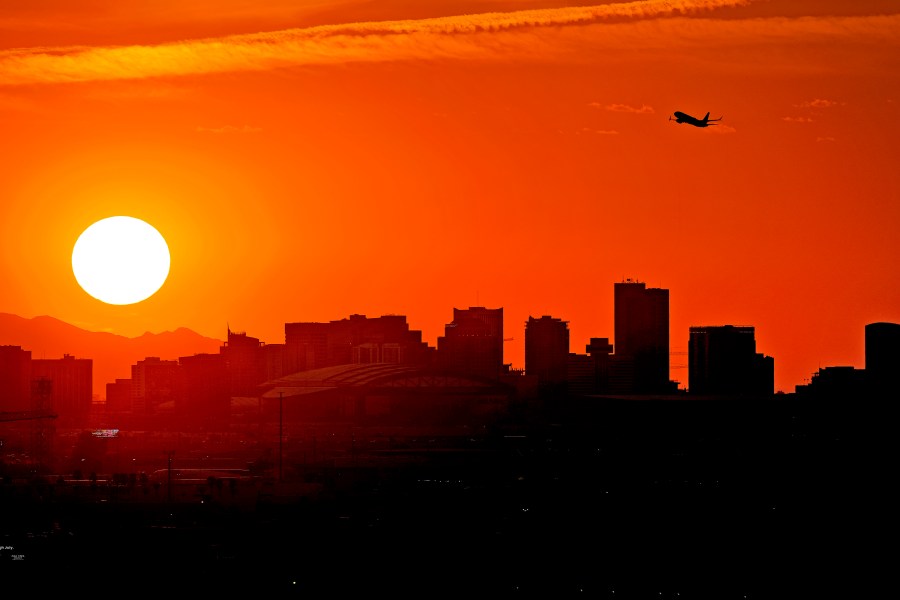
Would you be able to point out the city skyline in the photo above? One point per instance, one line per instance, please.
(396, 342)
(308, 161)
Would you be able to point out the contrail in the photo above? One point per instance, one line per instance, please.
(455, 36)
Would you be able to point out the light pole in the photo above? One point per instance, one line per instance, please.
(169, 477)
(280, 437)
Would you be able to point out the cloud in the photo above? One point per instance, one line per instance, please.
(722, 129)
(442, 37)
(643, 110)
(817, 103)
(827, 138)
(797, 119)
(589, 131)
(542, 34)
(229, 129)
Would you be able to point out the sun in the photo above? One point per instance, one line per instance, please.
(121, 260)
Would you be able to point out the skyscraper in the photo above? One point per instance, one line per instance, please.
(358, 339)
(15, 379)
(723, 360)
(883, 357)
(72, 384)
(641, 361)
(154, 382)
(472, 343)
(546, 349)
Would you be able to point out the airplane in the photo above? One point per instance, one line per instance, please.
(681, 117)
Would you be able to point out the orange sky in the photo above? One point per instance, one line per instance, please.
(308, 160)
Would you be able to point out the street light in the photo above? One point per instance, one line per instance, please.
(280, 437)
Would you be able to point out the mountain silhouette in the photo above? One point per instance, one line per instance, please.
(113, 355)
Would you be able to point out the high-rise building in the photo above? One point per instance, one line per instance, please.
(205, 398)
(600, 351)
(723, 360)
(641, 361)
(119, 398)
(472, 343)
(72, 386)
(250, 362)
(153, 383)
(15, 379)
(883, 357)
(358, 339)
(547, 349)
(838, 383)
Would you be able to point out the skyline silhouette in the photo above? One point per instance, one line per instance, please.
(722, 360)
(17, 331)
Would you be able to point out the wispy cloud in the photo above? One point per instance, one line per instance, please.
(797, 119)
(625, 108)
(722, 129)
(589, 131)
(444, 37)
(826, 139)
(817, 103)
(229, 129)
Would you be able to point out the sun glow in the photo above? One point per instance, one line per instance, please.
(121, 260)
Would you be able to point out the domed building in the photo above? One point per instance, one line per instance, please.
(385, 394)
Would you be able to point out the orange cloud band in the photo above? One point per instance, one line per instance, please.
(444, 37)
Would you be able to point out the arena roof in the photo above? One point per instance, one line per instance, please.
(362, 375)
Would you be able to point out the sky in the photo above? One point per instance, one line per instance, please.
(310, 160)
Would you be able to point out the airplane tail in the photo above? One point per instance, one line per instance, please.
(706, 118)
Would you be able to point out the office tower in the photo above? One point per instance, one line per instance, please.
(244, 360)
(547, 349)
(355, 340)
(205, 397)
(883, 357)
(71, 384)
(600, 351)
(472, 343)
(641, 360)
(15, 379)
(154, 382)
(723, 360)
(119, 397)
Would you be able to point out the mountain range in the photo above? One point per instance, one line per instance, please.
(113, 355)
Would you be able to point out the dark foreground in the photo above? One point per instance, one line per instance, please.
(611, 499)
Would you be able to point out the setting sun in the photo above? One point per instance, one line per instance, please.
(120, 260)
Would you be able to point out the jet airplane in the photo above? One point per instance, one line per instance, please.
(681, 117)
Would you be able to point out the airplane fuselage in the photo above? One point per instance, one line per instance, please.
(681, 117)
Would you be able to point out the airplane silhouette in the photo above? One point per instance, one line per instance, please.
(681, 117)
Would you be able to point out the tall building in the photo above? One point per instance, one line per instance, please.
(119, 398)
(883, 357)
(472, 343)
(154, 382)
(205, 398)
(641, 361)
(15, 379)
(72, 386)
(581, 374)
(838, 383)
(547, 350)
(723, 360)
(250, 362)
(600, 351)
(358, 339)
